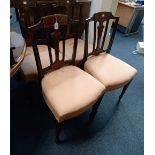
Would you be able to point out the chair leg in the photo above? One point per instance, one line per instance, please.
(123, 92)
(58, 129)
(94, 109)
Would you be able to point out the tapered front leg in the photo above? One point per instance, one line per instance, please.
(123, 92)
(94, 109)
(58, 129)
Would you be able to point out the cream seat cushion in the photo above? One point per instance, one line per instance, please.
(80, 50)
(111, 71)
(69, 91)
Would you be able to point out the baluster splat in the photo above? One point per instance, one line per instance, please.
(102, 25)
(100, 31)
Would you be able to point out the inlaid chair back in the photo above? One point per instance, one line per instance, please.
(55, 28)
(103, 22)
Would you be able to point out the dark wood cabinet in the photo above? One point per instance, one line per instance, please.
(29, 12)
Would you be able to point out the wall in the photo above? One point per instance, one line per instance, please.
(101, 5)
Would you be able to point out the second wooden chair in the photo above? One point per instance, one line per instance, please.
(109, 70)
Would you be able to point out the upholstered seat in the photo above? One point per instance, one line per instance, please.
(66, 92)
(80, 50)
(111, 71)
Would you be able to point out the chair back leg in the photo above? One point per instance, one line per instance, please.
(123, 92)
(58, 129)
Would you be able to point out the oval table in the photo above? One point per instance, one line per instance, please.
(18, 46)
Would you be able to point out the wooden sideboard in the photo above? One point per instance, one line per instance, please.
(29, 12)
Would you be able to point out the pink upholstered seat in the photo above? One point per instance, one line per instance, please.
(69, 91)
(111, 71)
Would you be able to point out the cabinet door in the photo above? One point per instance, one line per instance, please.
(31, 11)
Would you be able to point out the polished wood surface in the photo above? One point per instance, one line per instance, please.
(18, 52)
(29, 12)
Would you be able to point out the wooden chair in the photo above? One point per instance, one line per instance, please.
(67, 90)
(109, 70)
